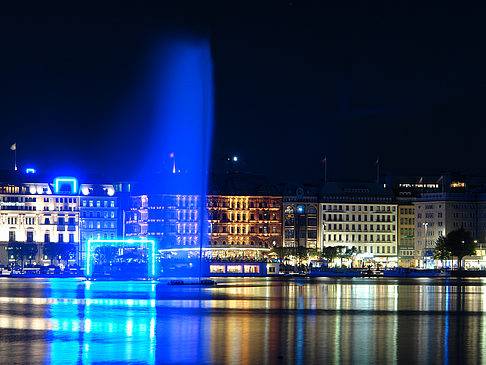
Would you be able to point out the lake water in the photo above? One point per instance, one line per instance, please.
(244, 321)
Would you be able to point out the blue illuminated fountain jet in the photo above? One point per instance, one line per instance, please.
(183, 119)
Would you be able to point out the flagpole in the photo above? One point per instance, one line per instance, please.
(15, 157)
(378, 171)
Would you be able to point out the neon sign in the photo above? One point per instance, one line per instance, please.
(59, 182)
(92, 244)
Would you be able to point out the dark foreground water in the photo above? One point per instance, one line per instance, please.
(244, 321)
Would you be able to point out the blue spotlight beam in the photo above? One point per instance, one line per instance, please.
(94, 243)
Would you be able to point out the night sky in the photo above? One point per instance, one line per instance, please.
(294, 82)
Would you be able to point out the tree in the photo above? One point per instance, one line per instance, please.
(441, 252)
(460, 243)
(29, 250)
(51, 250)
(20, 251)
(14, 250)
(282, 252)
(330, 253)
(66, 250)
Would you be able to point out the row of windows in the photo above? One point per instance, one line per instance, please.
(98, 224)
(358, 208)
(12, 199)
(301, 221)
(243, 242)
(47, 237)
(98, 203)
(19, 207)
(242, 217)
(406, 211)
(242, 229)
(359, 237)
(291, 233)
(241, 205)
(431, 215)
(62, 200)
(359, 227)
(377, 249)
(407, 221)
(97, 214)
(339, 218)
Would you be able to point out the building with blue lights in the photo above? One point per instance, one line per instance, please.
(36, 213)
(171, 220)
(300, 216)
(98, 214)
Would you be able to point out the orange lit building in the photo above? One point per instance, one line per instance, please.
(244, 221)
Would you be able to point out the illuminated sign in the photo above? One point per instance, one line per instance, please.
(30, 171)
(300, 209)
(92, 244)
(12, 204)
(61, 182)
(457, 184)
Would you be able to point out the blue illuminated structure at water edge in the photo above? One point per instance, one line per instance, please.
(92, 244)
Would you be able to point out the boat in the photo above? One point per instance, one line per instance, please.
(203, 282)
(336, 272)
(402, 272)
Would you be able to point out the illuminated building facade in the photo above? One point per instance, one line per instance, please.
(38, 213)
(300, 216)
(406, 234)
(360, 215)
(244, 221)
(172, 220)
(98, 214)
(61, 212)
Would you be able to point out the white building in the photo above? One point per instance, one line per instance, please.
(437, 214)
(360, 215)
(33, 211)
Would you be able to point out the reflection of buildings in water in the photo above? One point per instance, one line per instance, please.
(102, 329)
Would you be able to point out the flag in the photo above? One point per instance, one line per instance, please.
(440, 179)
(14, 146)
(324, 160)
(171, 155)
(377, 162)
(421, 180)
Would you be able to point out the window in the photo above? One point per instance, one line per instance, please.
(47, 237)
(98, 203)
(71, 237)
(61, 238)
(30, 236)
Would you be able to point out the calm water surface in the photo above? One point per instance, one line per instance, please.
(244, 321)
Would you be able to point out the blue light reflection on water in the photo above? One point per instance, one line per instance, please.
(244, 321)
(91, 329)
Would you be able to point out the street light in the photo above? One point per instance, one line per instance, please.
(425, 224)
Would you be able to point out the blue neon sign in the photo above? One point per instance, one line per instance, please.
(60, 182)
(92, 244)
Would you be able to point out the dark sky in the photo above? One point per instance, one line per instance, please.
(294, 82)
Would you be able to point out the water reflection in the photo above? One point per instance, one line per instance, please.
(244, 321)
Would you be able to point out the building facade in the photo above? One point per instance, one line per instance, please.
(244, 221)
(406, 234)
(172, 220)
(38, 213)
(98, 213)
(300, 217)
(360, 215)
(440, 213)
